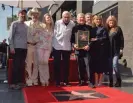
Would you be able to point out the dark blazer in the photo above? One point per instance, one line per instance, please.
(74, 31)
(117, 41)
(101, 47)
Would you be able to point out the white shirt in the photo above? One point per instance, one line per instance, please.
(62, 35)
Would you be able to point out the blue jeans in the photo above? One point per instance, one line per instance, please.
(115, 66)
(83, 67)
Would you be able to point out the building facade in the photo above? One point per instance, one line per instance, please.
(74, 7)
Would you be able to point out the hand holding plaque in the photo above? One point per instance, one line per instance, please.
(82, 38)
(76, 46)
(86, 48)
(93, 39)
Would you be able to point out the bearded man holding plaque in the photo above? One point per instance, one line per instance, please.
(80, 42)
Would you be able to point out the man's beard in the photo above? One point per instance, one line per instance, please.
(34, 19)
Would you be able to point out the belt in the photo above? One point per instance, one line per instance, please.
(31, 43)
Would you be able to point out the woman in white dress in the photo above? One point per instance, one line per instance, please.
(44, 48)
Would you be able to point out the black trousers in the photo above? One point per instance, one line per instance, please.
(83, 67)
(65, 55)
(18, 65)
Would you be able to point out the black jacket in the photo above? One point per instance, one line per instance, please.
(100, 48)
(116, 41)
(3, 47)
(74, 31)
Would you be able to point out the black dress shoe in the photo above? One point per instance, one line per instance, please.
(93, 86)
(18, 87)
(66, 84)
(117, 84)
(15, 87)
(57, 85)
(81, 83)
(111, 85)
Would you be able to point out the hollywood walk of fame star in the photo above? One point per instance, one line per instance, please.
(75, 95)
(83, 37)
(70, 96)
(86, 95)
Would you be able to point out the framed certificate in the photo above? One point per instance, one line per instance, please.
(82, 38)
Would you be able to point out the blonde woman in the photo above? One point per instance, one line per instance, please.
(99, 50)
(44, 49)
(117, 45)
(48, 20)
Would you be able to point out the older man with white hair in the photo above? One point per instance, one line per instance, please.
(82, 55)
(62, 47)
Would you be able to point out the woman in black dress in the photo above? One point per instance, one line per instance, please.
(99, 50)
(117, 45)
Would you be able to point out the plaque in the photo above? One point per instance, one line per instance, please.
(82, 38)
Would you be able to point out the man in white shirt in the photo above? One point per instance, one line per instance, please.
(62, 47)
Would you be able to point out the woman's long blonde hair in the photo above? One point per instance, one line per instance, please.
(111, 18)
(93, 19)
(52, 22)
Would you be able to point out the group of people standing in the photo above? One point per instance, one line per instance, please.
(102, 53)
(32, 42)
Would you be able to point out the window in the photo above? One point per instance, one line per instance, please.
(114, 12)
(105, 16)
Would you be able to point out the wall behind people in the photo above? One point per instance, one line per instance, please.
(43, 11)
(84, 6)
(125, 20)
